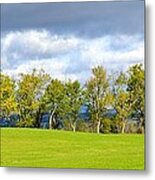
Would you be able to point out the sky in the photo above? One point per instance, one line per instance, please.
(68, 39)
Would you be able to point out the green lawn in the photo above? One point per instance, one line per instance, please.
(62, 149)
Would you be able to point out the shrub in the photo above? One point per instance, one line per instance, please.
(140, 130)
(131, 128)
(106, 125)
(29, 122)
(67, 125)
(83, 126)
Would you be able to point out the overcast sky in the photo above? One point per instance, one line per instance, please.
(68, 39)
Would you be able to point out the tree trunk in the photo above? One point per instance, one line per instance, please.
(73, 127)
(50, 121)
(51, 117)
(38, 118)
(123, 127)
(141, 126)
(141, 122)
(98, 126)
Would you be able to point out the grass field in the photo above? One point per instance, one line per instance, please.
(62, 149)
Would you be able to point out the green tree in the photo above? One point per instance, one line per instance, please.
(7, 96)
(74, 95)
(53, 101)
(136, 89)
(98, 95)
(122, 103)
(30, 90)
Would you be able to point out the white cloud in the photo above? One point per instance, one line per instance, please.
(67, 56)
(115, 49)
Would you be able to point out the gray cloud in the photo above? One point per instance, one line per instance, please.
(68, 39)
(87, 19)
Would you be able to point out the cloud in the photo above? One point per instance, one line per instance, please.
(87, 19)
(68, 56)
(35, 44)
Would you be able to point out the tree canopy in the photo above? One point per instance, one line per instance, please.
(36, 93)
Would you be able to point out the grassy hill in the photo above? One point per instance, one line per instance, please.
(62, 149)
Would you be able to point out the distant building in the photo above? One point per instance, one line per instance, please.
(10, 121)
(44, 122)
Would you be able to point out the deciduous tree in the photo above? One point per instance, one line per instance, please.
(122, 103)
(74, 94)
(30, 89)
(53, 101)
(7, 96)
(98, 94)
(136, 89)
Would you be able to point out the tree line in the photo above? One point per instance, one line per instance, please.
(32, 94)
